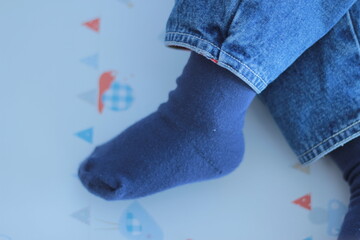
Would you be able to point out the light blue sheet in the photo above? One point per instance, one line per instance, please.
(50, 66)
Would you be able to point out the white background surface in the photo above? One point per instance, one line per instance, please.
(43, 73)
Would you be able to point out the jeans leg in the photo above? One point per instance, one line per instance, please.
(316, 101)
(256, 40)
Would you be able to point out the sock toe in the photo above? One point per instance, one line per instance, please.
(99, 184)
(105, 189)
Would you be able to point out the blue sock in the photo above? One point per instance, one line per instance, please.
(194, 136)
(348, 160)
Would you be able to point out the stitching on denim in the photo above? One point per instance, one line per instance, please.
(190, 46)
(344, 140)
(195, 37)
(351, 25)
(224, 53)
(248, 81)
(342, 130)
(220, 63)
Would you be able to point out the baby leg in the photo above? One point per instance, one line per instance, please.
(348, 160)
(194, 136)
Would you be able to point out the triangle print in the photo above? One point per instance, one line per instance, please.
(86, 135)
(304, 201)
(93, 24)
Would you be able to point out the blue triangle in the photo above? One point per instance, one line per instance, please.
(92, 61)
(86, 135)
(83, 215)
(308, 238)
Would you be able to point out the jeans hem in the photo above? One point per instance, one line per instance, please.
(338, 139)
(217, 55)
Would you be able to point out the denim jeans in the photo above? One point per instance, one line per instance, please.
(301, 57)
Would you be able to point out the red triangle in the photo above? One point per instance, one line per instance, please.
(304, 201)
(93, 24)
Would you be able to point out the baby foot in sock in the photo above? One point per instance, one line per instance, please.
(348, 160)
(196, 135)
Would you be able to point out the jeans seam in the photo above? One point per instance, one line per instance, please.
(344, 140)
(351, 25)
(337, 133)
(182, 43)
(248, 81)
(222, 51)
(219, 63)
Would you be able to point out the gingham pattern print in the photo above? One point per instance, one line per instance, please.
(118, 97)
